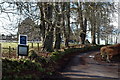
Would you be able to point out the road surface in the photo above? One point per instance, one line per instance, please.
(83, 66)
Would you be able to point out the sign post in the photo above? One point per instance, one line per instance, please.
(22, 46)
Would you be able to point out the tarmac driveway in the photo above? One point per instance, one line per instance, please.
(84, 66)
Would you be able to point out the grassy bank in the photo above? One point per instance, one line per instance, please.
(39, 67)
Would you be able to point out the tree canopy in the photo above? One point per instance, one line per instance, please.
(63, 21)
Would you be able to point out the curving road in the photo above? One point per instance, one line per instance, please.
(83, 66)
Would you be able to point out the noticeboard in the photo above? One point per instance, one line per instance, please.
(23, 50)
(23, 39)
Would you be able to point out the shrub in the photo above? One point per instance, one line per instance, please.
(32, 54)
(16, 67)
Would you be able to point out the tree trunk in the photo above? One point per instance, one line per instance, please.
(116, 40)
(83, 25)
(42, 25)
(48, 41)
(93, 26)
(58, 38)
(106, 40)
(58, 27)
(98, 22)
(66, 27)
(83, 35)
(65, 36)
(98, 36)
(93, 35)
(111, 39)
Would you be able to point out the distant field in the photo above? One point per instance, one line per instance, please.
(14, 44)
(7, 52)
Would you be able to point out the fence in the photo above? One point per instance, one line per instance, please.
(11, 51)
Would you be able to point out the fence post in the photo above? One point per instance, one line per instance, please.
(38, 46)
(0, 51)
(32, 45)
(9, 51)
(0, 62)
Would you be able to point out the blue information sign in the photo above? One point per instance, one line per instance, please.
(23, 40)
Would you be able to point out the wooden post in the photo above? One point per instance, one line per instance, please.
(0, 51)
(0, 62)
(38, 46)
(32, 45)
(9, 51)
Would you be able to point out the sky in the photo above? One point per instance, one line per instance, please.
(10, 18)
(7, 20)
(5, 24)
(9, 23)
